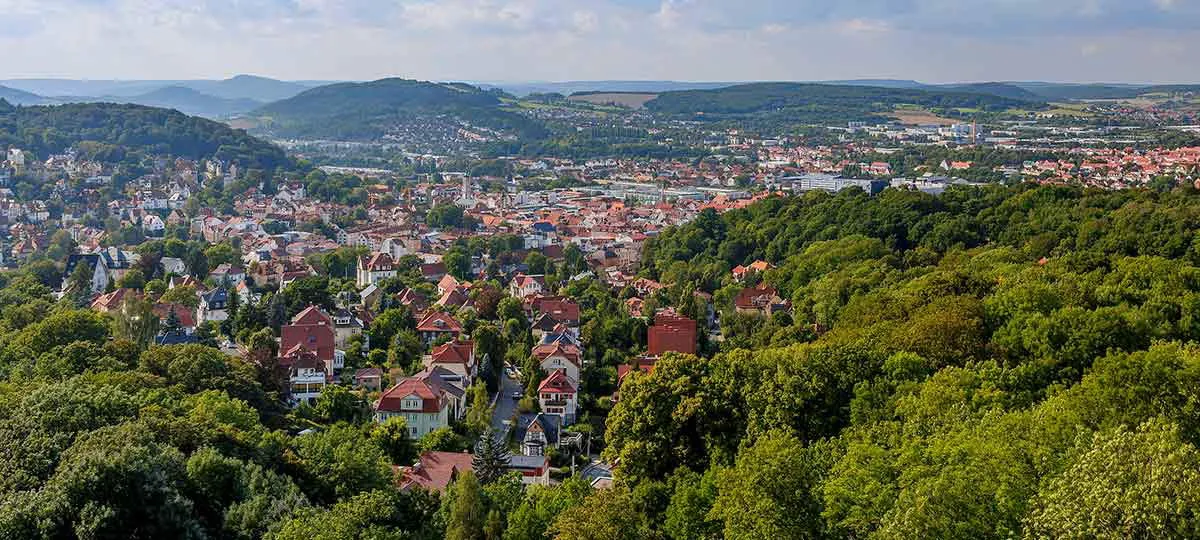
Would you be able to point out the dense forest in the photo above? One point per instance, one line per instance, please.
(126, 133)
(365, 111)
(995, 362)
(817, 103)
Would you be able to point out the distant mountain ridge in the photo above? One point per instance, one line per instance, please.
(20, 97)
(253, 87)
(192, 102)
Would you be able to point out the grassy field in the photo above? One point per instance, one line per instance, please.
(632, 101)
(920, 117)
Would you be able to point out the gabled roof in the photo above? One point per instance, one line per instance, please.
(454, 352)
(311, 315)
(437, 321)
(558, 348)
(557, 382)
(411, 386)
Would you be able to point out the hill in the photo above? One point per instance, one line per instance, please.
(1005, 90)
(190, 101)
(122, 132)
(248, 87)
(815, 103)
(370, 110)
(577, 87)
(20, 97)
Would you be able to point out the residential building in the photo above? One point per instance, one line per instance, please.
(558, 395)
(437, 325)
(376, 268)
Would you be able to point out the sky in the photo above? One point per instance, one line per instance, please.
(564, 40)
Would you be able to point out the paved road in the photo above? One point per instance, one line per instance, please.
(505, 404)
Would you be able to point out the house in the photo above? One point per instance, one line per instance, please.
(436, 325)
(558, 395)
(457, 357)
(172, 265)
(100, 275)
(313, 330)
(425, 400)
(560, 356)
(523, 285)
(307, 375)
(435, 471)
(433, 272)
(762, 300)
(561, 309)
(415, 301)
(370, 295)
(455, 299)
(671, 333)
(369, 379)
(111, 302)
(372, 270)
(740, 273)
(184, 315)
(228, 274)
(153, 225)
(345, 326)
(214, 306)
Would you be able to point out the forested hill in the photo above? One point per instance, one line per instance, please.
(115, 132)
(807, 102)
(368, 110)
(992, 363)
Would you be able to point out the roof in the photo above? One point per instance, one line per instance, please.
(424, 387)
(312, 315)
(557, 382)
(368, 373)
(671, 333)
(454, 352)
(558, 348)
(437, 321)
(436, 470)
(187, 318)
(379, 262)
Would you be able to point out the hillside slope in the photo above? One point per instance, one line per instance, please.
(803, 102)
(119, 132)
(370, 110)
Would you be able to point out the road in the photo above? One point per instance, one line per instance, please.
(505, 404)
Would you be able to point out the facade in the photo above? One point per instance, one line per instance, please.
(436, 325)
(427, 401)
(313, 330)
(378, 267)
(560, 356)
(523, 285)
(214, 306)
(306, 375)
(671, 333)
(558, 395)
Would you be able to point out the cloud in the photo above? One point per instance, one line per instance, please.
(936, 40)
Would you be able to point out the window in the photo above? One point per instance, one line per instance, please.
(412, 432)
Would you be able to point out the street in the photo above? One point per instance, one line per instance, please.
(505, 405)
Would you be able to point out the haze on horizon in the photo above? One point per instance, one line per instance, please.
(1143, 41)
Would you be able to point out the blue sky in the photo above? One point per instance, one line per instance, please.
(514, 40)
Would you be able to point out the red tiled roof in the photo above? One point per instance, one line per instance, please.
(187, 318)
(436, 470)
(454, 352)
(557, 382)
(557, 348)
(436, 321)
(671, 333)
(430, 395)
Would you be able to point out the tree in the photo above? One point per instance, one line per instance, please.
(542, 505)
(458, 263)
(773, 490)
(491, 457)
(133, 279)
(688, 516)
(441, 440)
(136, 321)
(465, 520)
(79, 284)
(336, 464)
(393, 436)
(340, 404)
(605, 515)
(1142, 483)
(479, 414)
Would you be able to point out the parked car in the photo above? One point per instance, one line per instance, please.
(518, 395)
